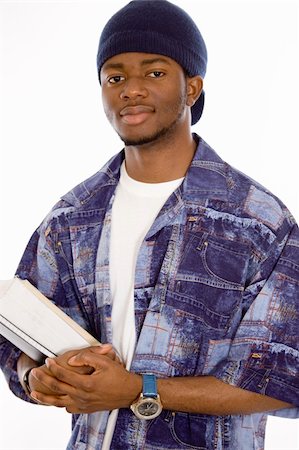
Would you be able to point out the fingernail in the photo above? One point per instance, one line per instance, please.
(33, 395)
(72, 359)
(47, 362)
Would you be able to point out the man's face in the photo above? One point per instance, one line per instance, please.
(144, 96)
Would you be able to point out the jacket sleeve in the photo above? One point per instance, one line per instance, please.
(264, 353)
(38, 265)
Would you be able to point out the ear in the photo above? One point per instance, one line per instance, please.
(194, 89)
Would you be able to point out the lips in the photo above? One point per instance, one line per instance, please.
(134, 115)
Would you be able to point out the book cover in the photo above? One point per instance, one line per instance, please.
(35, 325)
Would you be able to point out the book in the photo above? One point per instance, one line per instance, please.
(31, 322)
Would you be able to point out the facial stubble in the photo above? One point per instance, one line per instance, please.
(164, 132)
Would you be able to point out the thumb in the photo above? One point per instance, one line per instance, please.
(107, 350)
(76, 359)
(102, 349)
(86, 358)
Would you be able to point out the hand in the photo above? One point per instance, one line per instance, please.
(40, 373)
(41, 379)
(109, 386)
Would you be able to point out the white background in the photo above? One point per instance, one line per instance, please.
(54, 134)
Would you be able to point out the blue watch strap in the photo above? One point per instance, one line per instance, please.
(149, 385)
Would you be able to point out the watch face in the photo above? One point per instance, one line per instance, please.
(148, 408)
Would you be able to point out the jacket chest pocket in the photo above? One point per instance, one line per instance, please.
(210, 279)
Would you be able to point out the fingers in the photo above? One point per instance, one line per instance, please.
(60, 385)
(108, 350)
(92, 356)
(62, 360)
(50, 400)
(73, 406)
(52, 386)
(77, 360)
(104, 349)
(74, 358)
(68, 381)
(47, 400)
(39, 379)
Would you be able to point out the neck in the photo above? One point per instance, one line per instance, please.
(160, 161)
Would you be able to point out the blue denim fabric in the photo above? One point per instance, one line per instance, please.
(216, 293)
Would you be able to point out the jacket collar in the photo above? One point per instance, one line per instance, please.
(205, 179)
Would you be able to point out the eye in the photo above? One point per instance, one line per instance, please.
(115, 79)
(156, 74)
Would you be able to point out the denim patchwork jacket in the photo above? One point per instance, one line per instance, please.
(216, 293)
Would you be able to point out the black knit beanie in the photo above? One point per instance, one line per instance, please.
(156, 26)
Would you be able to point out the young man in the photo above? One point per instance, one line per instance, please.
(186, 266)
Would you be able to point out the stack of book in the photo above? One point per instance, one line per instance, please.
(35, 325)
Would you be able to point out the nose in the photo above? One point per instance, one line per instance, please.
(133, 87)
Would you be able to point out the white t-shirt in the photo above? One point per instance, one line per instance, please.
(134, 209)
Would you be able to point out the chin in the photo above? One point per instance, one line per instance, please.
(147, 137)
(137, 141)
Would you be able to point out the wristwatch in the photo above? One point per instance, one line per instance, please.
(148, 405)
